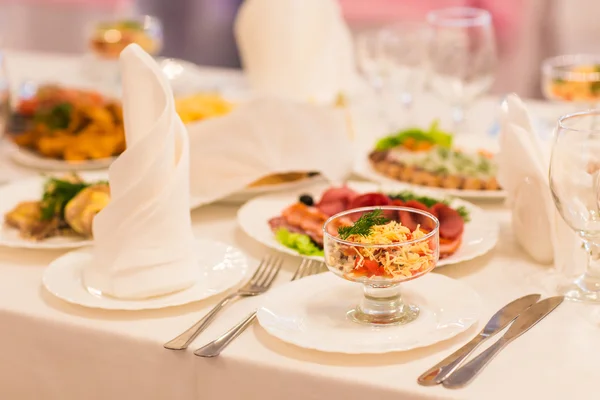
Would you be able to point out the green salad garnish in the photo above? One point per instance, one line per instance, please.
(57, 193)
(433, 135)
(299, 242)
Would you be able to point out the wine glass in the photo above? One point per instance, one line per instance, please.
(405, 50)
(368, 264)
(461, 57)
(370, 59)
(575, 187)
(106, 40)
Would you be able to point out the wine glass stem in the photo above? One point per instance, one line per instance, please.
(458, 118)
(590, 281)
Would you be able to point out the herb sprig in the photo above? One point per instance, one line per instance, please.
(429, 202)
(57, 193)
(363, 225)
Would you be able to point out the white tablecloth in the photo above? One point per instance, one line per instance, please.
(53, 350)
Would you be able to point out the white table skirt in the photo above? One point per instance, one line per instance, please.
(53, 350)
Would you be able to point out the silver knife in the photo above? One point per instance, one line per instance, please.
(497, 323)
(522, 324)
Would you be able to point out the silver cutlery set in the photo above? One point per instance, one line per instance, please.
(523, 313)
(259, 283)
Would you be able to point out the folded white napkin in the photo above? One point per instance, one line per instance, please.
(523, 167)
(143, 241)
(265, 137)
(296, 49)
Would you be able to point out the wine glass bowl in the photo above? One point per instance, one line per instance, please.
(575, 187)
(404, 52)
(403, 248)
(462, 56)
(572, 78)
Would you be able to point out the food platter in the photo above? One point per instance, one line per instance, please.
(480, 234)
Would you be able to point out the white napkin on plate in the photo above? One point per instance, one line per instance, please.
(264, 137)
(296, 49)
(143, 239)
(523, 172)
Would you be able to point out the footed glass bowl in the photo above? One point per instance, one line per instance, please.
(381, 262)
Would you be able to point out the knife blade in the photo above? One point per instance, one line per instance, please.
(497, 323)
(522, 324)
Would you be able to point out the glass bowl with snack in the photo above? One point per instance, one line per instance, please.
(572, 78)
(108, 38)
(381, 247)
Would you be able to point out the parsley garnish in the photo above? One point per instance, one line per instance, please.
(363, 225)
(57, 193)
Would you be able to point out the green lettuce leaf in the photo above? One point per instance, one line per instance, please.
(299, 242)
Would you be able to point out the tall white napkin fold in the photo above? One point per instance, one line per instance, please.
(296, 49)
(264, 137)
(523, 172)
(143, 240)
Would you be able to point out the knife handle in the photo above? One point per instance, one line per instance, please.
(436, 374)
(462, 376)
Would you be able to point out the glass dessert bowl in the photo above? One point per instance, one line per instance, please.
(382, 247)
(572, 78)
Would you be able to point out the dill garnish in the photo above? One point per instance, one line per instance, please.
(363, 225)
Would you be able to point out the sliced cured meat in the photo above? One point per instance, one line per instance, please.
(452, 224)
(332, 207)
(449, 247)
(280, 222)
(370, 200)
(309, 219)
(412, 220)
(338, 195)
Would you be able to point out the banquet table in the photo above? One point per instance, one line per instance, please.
(55, 350)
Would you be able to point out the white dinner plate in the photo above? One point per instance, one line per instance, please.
(220, 267)
(31, 189)
(479, 237)
(30, 159)
(311, 313)
(246, 194)
(363, 168)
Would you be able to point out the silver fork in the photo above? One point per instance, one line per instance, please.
(214, 348)
(259, 283)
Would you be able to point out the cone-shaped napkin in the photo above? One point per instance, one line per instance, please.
(265, 137)
(523, 172)
(296, 49)
(143, 238)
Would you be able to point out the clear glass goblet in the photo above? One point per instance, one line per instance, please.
(461, 57)
(575, 187)
(405, 51)
(382, 267)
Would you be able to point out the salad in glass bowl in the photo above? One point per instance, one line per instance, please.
(382, 247)
(109, 38)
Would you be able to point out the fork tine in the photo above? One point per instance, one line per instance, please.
(260, 271)
(299, 271)
(308, 269)
(272, 274)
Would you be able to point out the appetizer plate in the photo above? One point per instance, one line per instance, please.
(479, 237)
(246, 194)
(220, 267)
(363, 169)
(30, 159)
(311, 313)
(31, 189)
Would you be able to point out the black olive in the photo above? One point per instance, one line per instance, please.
(307, 199)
